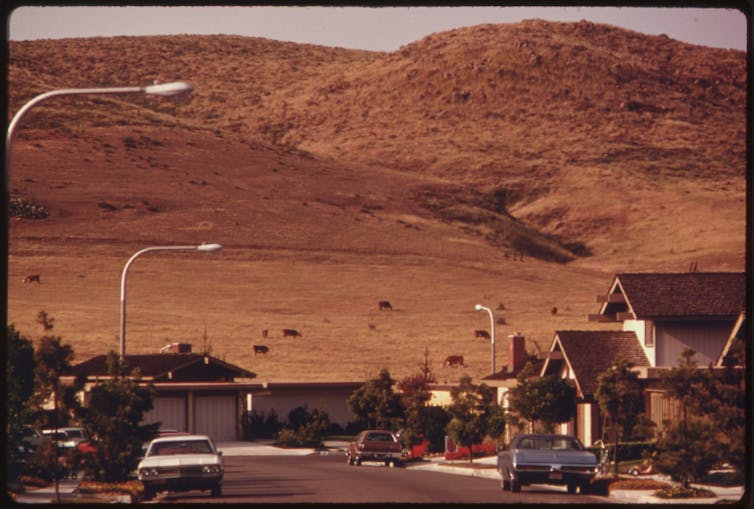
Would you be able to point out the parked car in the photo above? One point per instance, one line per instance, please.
(62, 440)
(546, 459)
(375, 445)
(181, 463)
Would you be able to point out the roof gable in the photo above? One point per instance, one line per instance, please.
(590, 353)
(164, 367)
(680, 295)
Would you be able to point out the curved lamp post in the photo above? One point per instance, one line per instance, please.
(479, 307)
(207, 248)
(162, 89)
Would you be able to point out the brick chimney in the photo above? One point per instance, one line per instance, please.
(517, 356)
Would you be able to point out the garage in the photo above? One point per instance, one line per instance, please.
(216, 416)
(170, 411)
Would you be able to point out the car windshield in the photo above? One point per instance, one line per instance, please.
(180, 447)
(547, 443)
(379, 437)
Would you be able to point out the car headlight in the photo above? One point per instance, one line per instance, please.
(149, 472)
(211, 469)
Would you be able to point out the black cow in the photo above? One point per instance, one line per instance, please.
(291, 333)
(261, 349)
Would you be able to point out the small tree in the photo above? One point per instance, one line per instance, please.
(688, 450)
(549, 400)
(619, 395)
(376, 404)
(112, 418)
(19, 382)
(473, 414)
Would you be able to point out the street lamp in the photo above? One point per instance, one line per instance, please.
(207, 248)
(160, 89)
(479, 307)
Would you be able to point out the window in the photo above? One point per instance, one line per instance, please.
(649, 333)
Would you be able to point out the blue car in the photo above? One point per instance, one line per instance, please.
(546, 459)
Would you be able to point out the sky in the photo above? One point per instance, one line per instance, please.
(370, 28)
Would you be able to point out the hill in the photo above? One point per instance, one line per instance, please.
(336, 178)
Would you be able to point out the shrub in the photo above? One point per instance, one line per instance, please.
(21, 207)
(257, 425)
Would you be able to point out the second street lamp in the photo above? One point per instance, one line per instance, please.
(479, 307)
(208, 248)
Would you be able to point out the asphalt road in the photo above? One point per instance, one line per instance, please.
(328, 479)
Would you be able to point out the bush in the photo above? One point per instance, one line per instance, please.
(21, 207)
(304, 428)
(257, 425)
(477, 451)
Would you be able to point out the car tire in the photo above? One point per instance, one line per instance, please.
(515, 486)
(505, 484)
(149, 493)
(358, 462)
(571, 487)
(390, 463)
(217, 490)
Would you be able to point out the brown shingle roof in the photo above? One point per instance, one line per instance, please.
(590, 353)
(700, 294)
(183, 366)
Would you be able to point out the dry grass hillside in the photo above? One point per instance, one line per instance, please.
(337, 178)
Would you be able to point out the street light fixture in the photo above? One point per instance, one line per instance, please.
(207, 248)
(479, 307)
(160, 89)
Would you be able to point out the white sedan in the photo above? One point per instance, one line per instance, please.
(181, 463)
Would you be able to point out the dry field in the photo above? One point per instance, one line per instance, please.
(336, 179)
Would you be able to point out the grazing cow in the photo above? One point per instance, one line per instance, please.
(384, 304)
(554, 311)
(481, 334)
(292, 333)
(261, 349)
(452, 361)
(32, 278)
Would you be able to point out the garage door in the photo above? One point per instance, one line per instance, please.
(170, 411)
(216, 416)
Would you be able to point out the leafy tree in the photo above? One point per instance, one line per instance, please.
(112, 418)
(19, 382)
(305, 427)
(376, 404)
(619, 395)
(729, 411)
(686, 450)
(473, 413)
(414, 396)
(549, 400)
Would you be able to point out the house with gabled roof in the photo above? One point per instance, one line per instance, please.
(580, 357)
(661, 315)
(195, 393)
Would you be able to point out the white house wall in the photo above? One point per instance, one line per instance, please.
(643, 330)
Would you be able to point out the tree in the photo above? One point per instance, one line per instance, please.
(376, 404)
(689, 450)
(549, 399)
(474, 414)
(19, 382)
(619, 395)
(112, 418)
(729, 412)
(414, 396)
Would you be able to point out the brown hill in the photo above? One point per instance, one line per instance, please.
(336, 178)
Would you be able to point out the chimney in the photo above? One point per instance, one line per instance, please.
(517, 356)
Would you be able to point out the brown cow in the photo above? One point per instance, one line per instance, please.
(261, 349)
(32, 278)
(292, 333)
(385, 304)
(481, 334)
(452, 361)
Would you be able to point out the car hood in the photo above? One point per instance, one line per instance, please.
(179, 460)
(550, 457)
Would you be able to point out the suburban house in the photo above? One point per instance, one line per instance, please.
(660, 315)
(196, 393)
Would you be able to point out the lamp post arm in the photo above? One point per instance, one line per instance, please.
(123, 287)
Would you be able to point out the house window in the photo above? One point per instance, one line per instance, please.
(649, 333)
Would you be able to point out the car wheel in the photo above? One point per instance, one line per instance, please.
(505, 484)
(358, 462)
(515, 485)
(149, 493)
(217, 490)
(571, 487)
(391, 463)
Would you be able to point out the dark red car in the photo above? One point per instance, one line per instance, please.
(375, 445)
